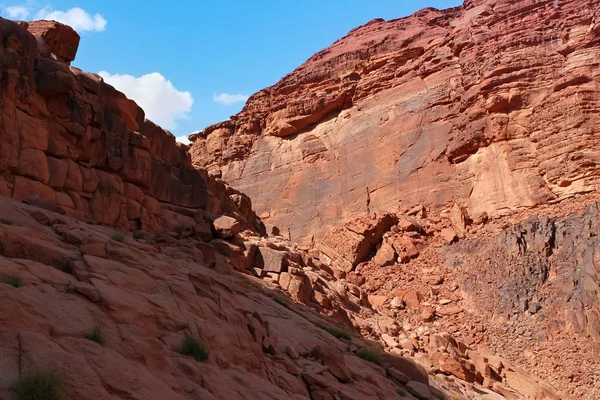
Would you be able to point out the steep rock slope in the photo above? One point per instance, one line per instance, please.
(492, 105)
(524, 288)
(76, 143)
(109, 312)
(115, 314)
(61, 278)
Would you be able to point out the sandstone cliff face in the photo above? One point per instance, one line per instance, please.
(89, 166)
(492, 105)
(109, 311)
(73, 141)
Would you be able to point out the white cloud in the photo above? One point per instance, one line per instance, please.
(183, 139)
(17, 12)
(161, 101)
(76, 18)
(229, 99)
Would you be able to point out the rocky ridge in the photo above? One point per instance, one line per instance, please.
(74, 142)
(110, 230)
(491, 105)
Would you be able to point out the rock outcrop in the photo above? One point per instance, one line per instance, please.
(129, 273)
(73, 141)
(526, 292)
(492, 105)
(110, 315)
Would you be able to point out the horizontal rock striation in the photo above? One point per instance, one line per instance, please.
(69, 139)
(492, 105)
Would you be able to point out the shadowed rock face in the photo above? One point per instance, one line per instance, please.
(549, 262)
(76, 143)
(491, 105)
(62, 40)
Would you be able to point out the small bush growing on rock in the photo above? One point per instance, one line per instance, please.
(195, 348)
(401, 392)
(95, 334)
(40, 385)
(281, 301)
(4, 221)
(13, 281)
(118, 237)
(335, 331)
(371, 355)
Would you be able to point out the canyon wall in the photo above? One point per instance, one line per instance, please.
(278, 320)
(493, 105)
(74, 142)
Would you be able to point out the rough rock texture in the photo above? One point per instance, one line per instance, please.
(492, 105)
(446, 303)
(523, 288)
(71, 140)
(267, 334)
(147, 298)
(546, 295)
(61, 40)
(73, 150)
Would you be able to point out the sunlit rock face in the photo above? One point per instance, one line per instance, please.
(492, 105)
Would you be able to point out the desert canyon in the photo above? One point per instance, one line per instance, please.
(413, 213)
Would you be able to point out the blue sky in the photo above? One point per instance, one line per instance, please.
(192, 62)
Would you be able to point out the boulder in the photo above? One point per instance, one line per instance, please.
(227, 227)
(62, 40)
(459, 220)
(270, 260)
(448, 235)
(345, 248)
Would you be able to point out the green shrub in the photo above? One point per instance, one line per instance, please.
(118, 237)
(195, 348)
(401, 392)
(335, 331)
(371, 355)
(14, 281)
(281, 301)
(4, 221)
(95, 334)
(40, 385)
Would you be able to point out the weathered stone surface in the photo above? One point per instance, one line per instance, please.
(147, 298)
(386, 255)
(419, 390)
(448, 235)
(68, 138)
(270, 260)
(351, 244)
(108, 164)
(62, 40)
(226, 227)
(437, 120)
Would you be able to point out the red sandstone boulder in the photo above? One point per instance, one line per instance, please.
(270, 260)
(226, 227)
(345, 248)
(61, 39)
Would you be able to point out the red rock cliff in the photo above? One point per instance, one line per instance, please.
(73, 141)
(492, 105)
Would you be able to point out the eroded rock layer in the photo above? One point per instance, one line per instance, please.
(71, 141)
(492, 105)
